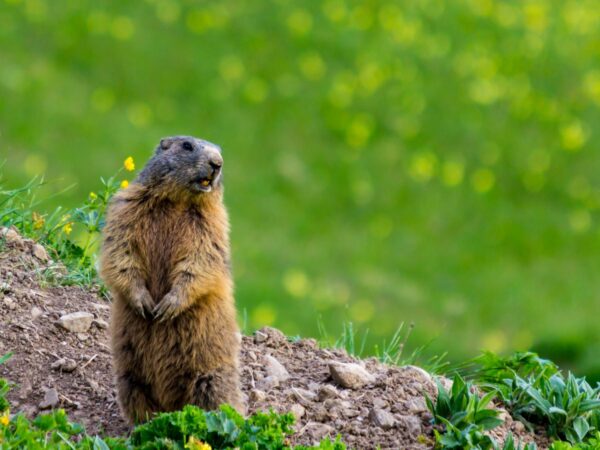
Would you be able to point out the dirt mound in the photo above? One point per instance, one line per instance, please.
(65, 362)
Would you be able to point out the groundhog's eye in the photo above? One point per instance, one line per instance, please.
(187, 146)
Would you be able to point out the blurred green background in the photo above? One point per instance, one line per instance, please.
(429, 161)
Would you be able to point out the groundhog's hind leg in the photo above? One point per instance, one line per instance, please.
(135, 399)
(219, 387)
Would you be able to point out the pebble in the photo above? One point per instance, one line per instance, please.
(275, 369)
(102, 324)
(50, 399)
(64, 364)
(10, 235)
(297, 410)
(10, 303)
(350, 375)
(40, 252)
(303, 395)
(77, 322)
(410, 423)
(36, 312)
(259, 337)
(274, 336)
(327, 391)
(318, 430)
(382, 418)
(268, 383)
(256, 395)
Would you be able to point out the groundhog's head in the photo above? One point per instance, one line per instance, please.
(186, 162)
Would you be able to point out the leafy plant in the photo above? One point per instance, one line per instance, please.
(465, 417)
(537, 393)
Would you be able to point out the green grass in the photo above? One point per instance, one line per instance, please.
(429, 162)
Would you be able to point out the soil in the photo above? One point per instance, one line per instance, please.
(52, 367)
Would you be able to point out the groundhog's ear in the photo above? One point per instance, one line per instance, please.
(165, 143)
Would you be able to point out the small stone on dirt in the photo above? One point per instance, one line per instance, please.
(259, 337)
(268, 383)
(50, 399)
(317, 430)
(303, 395)
(327, 391)
(275, 369)
(256, 395)
(64, 364)
(412, 424)
(102, 324)
(10, 235)
(10, 303)
(382, 418)
(40, 252)
(350, 375)
(297, 410)
(77, 322)
(274, 336)
(36, 312)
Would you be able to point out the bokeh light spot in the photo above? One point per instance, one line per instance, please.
(263, 315)
(102, 99)
(580, 220)
(299, 22)
(361, 311)
(423, 166)
(483, 180)
(122, 28)
(296, 283)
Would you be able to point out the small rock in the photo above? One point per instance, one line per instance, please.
(327, 391)
(259, 337)
(317, 430)
(36, 312)
(350, 412)
(40, 252)
(297, 410)
(256, 395)
(303, 395)
(275, 369)
(100, 306)
(64, 364)
(410, 423)
(415, 405)
(350, 375)
(10, 235)
(380, 403)
(382, 418)
(50, 399)
(268, 383)
(77, 322)
(518, 427)
(102, 324)
(274, 336)
(82, 337)
(10, 303)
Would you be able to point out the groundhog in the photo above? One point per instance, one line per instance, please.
(165, 258)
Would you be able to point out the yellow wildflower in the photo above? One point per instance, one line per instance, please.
(129, 164)
(124, 184)
(196, 444)
(38, 221)
(68, 228)
(93, 196)
(4, 419)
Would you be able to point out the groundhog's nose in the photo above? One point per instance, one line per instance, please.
(215, 164)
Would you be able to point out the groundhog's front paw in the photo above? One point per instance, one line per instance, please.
(142, 302)
(169, 307)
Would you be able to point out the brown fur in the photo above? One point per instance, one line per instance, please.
(167, 245)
